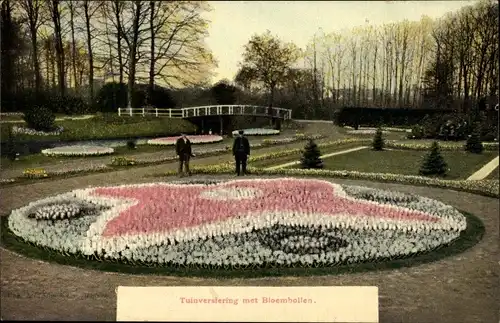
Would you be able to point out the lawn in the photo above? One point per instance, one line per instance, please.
(109, 126)
(407, 162)
(494, 174)
(296, 157)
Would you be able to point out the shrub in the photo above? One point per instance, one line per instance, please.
(131, 144)
(434, 163)
(123, 161)
(378, 141)
(114, 95)
(11, 146)
(474, 144)
(223, 93)
(310, 156)
(160, 98)
(417, 132)
(71, 105)
(39, 118)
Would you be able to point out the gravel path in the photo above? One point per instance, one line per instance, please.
(463, 288)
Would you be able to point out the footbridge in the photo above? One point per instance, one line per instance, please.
(211, 110)
(213, 118)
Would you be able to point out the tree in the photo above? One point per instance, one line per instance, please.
(32, 13)
(133, 38)
(224, 93)
(434, 163)
(269, 59)
(89, 9)
(59, 49)
(177, 53)
(474, 144)
(117, 7)
(378, 140)
(245, 77)
(72, 5)
(311, 156)
(8, 53)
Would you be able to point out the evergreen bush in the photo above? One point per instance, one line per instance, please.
(474, 144)
(310, 156)
(434, 163)
(378, 141)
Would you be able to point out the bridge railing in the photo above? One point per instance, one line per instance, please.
(210, 110)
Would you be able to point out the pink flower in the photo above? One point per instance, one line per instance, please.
(165, 207)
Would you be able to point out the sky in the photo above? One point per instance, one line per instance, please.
(234, 22)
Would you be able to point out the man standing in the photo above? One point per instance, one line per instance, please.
(241, 150)
(183, 150)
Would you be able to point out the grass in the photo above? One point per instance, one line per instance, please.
(296, 157)
(406, 162)
(495, 174)
(468, 238)
(110, 126)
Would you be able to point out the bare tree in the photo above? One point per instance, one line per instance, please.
(72, 5)
(32, 11)
(177, 53)
(133, 37)
(89, 10)
(59, 49)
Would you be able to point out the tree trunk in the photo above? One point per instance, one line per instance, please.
(35, 61)
(152, 50)
(132, 55)
(116, 6)
(403, 63)
(89, 50)
(73, 43)
(374, 79)
(56, 19)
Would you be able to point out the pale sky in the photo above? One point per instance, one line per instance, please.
(234, 22)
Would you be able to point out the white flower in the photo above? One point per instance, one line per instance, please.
(257, 132)
(78, 150)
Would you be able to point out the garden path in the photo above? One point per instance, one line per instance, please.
(326, 129)
(485, 170)
(35, 290)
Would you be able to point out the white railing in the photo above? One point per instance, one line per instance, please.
(210, 110)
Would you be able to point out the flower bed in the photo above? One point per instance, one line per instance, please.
(490, 146)
(291, 139)
(364, 132)
(27, 131)
(201, 139)
(78, 150)
(383, 128)
(265, 222)
(257, 132)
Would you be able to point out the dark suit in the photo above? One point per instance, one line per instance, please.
(241, 150)
(183, 150)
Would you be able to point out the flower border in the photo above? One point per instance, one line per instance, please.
(195, 140)
(472, 235)
(267, 132)
(96, 151)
